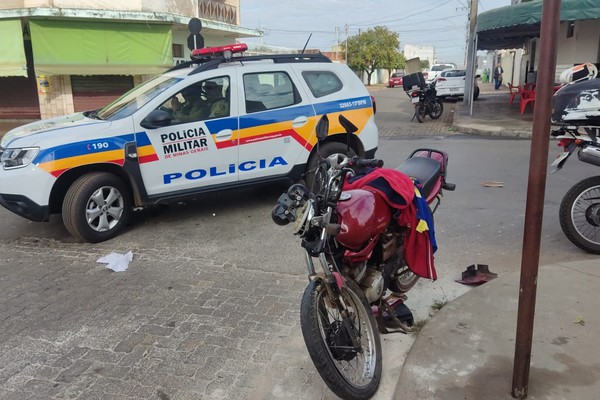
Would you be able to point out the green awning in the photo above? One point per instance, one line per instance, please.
(12, 56)
(100, 48)
(509, 26)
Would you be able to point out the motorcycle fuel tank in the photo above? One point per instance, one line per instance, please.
(577, 103)
(362, 215)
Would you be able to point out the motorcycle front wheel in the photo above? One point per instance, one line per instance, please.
(420, 112)
(580, 215)
(437, 109)
(349, 372)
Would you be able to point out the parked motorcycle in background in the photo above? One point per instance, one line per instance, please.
(576, 122)
(365, 225)
(423, 96)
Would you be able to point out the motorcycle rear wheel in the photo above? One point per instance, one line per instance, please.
(403, 280)
(437, 109)
(580, 215)
(420, 112)
(349, 374)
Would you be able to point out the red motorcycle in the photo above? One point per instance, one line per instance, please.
(372, 234)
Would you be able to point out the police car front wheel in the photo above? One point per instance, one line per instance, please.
(96, 207)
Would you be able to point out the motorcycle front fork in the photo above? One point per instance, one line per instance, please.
(333, 284)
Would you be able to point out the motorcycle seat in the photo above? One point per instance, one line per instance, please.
(426, 170)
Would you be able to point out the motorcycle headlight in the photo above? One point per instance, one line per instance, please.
(17, 158)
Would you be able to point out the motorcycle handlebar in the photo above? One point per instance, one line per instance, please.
(367, 163)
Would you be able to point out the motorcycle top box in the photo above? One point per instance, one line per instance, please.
(413, 81)
(577, 103)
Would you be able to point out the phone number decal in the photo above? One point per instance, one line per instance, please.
(355, 103)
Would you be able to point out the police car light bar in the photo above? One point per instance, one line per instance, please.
(225, 51)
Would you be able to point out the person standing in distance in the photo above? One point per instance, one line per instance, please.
(498, 76)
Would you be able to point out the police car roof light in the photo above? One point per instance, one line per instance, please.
(229, 49)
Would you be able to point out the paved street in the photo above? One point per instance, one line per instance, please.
(209, 305)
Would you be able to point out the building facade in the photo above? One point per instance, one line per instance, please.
(423, 52)
(514, 32)
(66, 56)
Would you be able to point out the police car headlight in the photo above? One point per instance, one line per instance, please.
(18, 158)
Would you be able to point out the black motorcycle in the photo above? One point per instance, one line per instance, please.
(425, 100)
(576, 123)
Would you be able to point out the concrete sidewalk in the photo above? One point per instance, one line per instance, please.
(467, 350)
(493, 115)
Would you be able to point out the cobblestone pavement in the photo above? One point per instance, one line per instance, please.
(395, 112)
(208, 309)
(174, 326)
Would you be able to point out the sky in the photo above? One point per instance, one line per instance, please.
(438, 23)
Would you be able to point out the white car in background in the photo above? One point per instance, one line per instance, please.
(451, 83)
(436, 70)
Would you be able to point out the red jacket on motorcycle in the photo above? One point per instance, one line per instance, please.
(398, 190)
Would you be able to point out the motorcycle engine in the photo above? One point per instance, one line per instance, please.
(372, 285)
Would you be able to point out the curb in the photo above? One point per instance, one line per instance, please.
(484, 130)
(474, 128)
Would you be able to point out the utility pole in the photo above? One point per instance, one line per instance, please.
(471, 51)
(337, 42)
(534, 212)
(346, 46)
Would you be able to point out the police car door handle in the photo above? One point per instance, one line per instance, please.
(224, 134)
(300, 121)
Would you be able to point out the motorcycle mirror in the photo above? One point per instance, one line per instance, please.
(348, 126)
(322, 128)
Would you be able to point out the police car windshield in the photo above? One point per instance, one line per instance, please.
(134, 99)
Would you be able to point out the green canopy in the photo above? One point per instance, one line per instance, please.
(12, 56)
(509, 26)
(100, 48)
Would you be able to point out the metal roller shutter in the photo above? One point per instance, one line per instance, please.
(91, 92)
(18, 95)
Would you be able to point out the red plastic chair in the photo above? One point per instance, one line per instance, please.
(526, 98)
(514, 91)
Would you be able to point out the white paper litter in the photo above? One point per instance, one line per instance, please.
(117, 262)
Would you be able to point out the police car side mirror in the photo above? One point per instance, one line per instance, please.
(156, 119)
(322, 128)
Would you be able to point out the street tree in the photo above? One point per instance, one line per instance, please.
(396, 61)
(376, 48)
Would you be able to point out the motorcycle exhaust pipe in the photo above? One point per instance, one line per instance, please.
(590, 155)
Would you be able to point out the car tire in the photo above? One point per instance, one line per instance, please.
(324, 151)
(96, 207)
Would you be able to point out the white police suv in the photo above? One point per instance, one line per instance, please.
(217, 121)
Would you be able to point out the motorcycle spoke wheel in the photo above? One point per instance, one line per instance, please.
(351, 373)
(580, 215)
